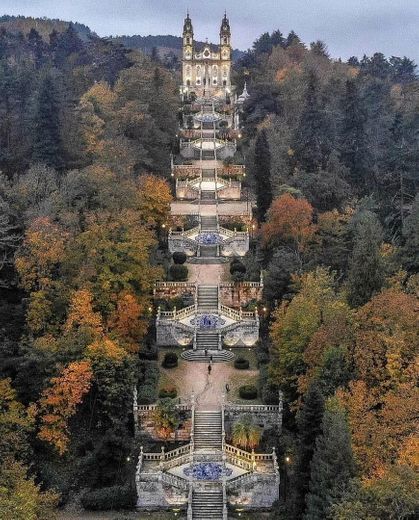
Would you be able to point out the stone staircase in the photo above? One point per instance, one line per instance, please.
(218, 356)
(207, 298)
(208, 430)
(207, 504)
(209, 223)
(206, 340)
(207, 197)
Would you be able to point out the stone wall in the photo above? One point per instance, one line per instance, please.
(182, 434)
(186, 193)
(238, 295)
(259, 492)
(231, 294)
(168, 334)
(230, 193)
(265, 418)
(153, 494)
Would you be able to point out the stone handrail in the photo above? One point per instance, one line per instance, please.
(241, 479)
(233, 234)
(192, 443)
(238, 461)
(173, 480)
(167, 455)
(272, 408)
(152, 407)
(189, 509)
(139, 465)
(256, 285)
(230, 313)
(225, 512)
(172, 463)
(166, 285)
(178, 315)
(238, 315)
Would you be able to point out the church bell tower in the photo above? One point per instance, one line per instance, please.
(225, 51)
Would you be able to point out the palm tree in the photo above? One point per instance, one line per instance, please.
(240, 434)
(254, 434)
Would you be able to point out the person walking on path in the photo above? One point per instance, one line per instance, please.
(227, 388)
(209, 369)
(211, 358)
(206, 352)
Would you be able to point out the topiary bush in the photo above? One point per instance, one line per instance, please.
(178, 273)
(147, 394)
(179, 257)
(114, 497)
(168, 391)
(241, 363)
(248, 392)
(170, 360)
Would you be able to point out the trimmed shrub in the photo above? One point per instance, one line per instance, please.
(248, 392)
(178, 273)
(170, 360)
(241, 363)
(114, 497)
(168, 391)
(147, 394)
(179, 257)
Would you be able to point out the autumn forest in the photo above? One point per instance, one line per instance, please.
(331, 150)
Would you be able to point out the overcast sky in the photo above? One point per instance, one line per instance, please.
(349, 27)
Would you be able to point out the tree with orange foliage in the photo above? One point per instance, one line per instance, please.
(289, 220)
(59, 403)
(126, 321)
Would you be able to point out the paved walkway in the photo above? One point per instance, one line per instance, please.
(190, 377)
(224, 208)
(208, 274)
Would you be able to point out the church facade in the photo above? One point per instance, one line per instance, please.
(206, 69)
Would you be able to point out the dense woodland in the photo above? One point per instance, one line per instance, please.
(86, 130)
(339, 239)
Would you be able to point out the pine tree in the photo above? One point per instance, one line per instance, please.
(410, 248)
(47, 139)
(312, 139)
(365, 277)
(332, 466)
(309, 427)
(262, 175)
(353, 137)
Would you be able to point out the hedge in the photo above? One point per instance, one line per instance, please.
(170, 360)
(248, 392)
(178, 273)
(241, 363)
(114, 497)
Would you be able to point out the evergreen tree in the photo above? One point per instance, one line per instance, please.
(312, 139)
(410, 249)
(309, 427)
(262, 175)
(353, 137)
(47, 139)
(332, 466)
(365, 277)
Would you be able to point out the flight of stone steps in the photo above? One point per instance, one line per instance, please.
(207, 298)
(207, 504)
(207, 341)
(208, 430)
